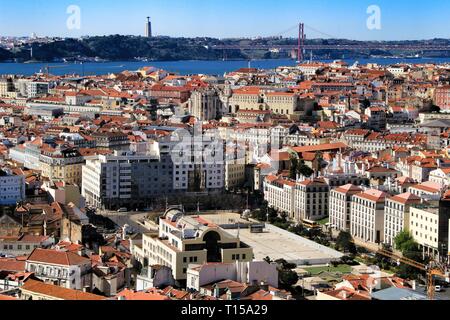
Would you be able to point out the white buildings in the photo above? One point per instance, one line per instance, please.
(311, 200)
(440, 176)
(280, 194)
(427, 190)
(126, 179)
(340, 204)
(24, 245)
(367, 216)
(28, 153)
(65, 269)
(424, 225)
(396, 215)
(12, 187)
(252, 273)
(156, 276)
(234, 173)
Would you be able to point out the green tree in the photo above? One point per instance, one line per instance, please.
(294, 168)
(382, 261)
(344, 242)
(287, 277)
(410, 249)
(304, 170)
(404, 241)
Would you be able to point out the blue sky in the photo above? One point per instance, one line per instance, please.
(400, 19)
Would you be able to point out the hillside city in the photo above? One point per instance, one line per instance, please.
(320, 181)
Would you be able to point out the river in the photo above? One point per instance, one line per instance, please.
(181, 67)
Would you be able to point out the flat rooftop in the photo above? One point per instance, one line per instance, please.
(277, 243)
(229, 218)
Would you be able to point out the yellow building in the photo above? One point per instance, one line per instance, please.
(184, 240)
(62, 164)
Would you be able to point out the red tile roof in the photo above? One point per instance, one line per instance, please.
(57, 257)
(58, 292)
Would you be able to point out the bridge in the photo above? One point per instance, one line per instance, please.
(301, 47)
(335, 47)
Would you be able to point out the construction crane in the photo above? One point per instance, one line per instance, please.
(432, 270)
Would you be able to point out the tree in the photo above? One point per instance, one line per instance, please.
(286, 276)
(304, 170)
(294, 168)
(268, 260)
(345, 242)
(382, 261)
(404, 242)
(410, 249)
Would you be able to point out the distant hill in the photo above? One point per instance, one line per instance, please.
(5, 54)
(118, 47)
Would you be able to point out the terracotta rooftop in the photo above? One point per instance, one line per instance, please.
(58, 292)
(57, 257)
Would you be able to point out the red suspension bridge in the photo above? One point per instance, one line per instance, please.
(302, 47)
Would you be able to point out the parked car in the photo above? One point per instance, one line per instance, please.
(438, 289)
(122, 210)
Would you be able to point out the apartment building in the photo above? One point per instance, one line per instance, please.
(442, 98)
(24, 244)
(183, 240)
(65, 269)
(235, 165)
(62, 164)
(280, 194)
(311, 200)
(28, 153)
(126, 179)
(367, 216)
(6, 86)
(429, 224)
(424, 227)
(252, 273)
(440, 176)
(12, 187)
(396, 215)
(111, 141)
(427, 190)
(340, 205)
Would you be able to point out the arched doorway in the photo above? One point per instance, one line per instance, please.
(212, 239)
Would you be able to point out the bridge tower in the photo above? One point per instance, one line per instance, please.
(301, 41)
